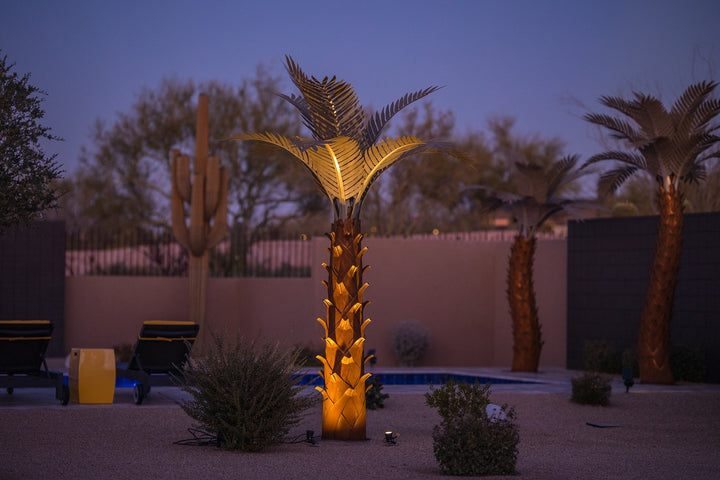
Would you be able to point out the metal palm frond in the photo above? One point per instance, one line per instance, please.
(695, 173)
(692, 111)
(619, 155)
(652, 117)
(378, 122)
(344, 156)
(545, 182)
(330, 109)
(620, 129)
(562, 173)
(540, 198)
(613, 179)
(668, 144)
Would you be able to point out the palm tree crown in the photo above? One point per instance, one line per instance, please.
(539, 193)
(671, 146)
(344, 155)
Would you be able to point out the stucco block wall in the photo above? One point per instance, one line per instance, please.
(455, 289)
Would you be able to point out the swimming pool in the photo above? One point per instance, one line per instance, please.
(419, 378)
(394, 378)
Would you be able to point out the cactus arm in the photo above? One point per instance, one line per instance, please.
(181, 175)
(179, 227)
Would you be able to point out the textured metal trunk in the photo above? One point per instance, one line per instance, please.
(527, 341)
(343, 412)
(654, 332)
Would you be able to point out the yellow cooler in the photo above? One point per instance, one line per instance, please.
(92, 375)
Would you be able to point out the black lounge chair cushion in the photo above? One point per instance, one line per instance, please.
(163, 347)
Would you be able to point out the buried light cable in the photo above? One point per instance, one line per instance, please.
(307, 437)
(200, 438)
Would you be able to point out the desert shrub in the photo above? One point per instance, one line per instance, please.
(410, 343)
(244, 393)
(591, 389)
(307, 356)
(468, 441)
(625, 209)
(374, 398)
(687, 363)
(600, 356)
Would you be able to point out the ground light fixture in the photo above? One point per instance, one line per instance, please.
(391, 438)
(627, 375)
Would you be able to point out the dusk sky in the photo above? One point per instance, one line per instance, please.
(534, 60)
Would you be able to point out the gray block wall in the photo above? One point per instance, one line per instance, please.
(32, 277)
(609, 261)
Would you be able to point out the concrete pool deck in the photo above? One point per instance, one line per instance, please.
(547, 380)
(662, 432)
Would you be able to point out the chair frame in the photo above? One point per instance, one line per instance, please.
(23, 344)
(160, 354)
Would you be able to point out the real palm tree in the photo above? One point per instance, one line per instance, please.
(537, 199)
(671, 146)
(345, 158)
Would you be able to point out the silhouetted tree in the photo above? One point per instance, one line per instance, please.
(124, 177)
(26, 171)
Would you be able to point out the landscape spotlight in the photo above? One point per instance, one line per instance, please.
(390, 438)
(627, 375)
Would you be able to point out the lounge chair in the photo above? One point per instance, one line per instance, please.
(160, 353)
(23, 344)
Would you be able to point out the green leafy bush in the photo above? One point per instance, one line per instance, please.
(245, 394)
(600, 356)
(374, 398)
(410, 343)
(591, 389)
(469, 441)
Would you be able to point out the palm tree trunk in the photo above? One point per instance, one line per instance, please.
(654, 333)
(527, 341)
(343, 412)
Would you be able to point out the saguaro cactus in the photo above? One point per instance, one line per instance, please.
(204, 190)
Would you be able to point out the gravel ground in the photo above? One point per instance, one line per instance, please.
(660, 436)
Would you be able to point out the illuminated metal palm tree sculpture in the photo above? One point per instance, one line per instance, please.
(671, 146)
(537, 199)
(345, 158)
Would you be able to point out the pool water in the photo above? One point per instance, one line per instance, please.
(407, 378)
(419, 379)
